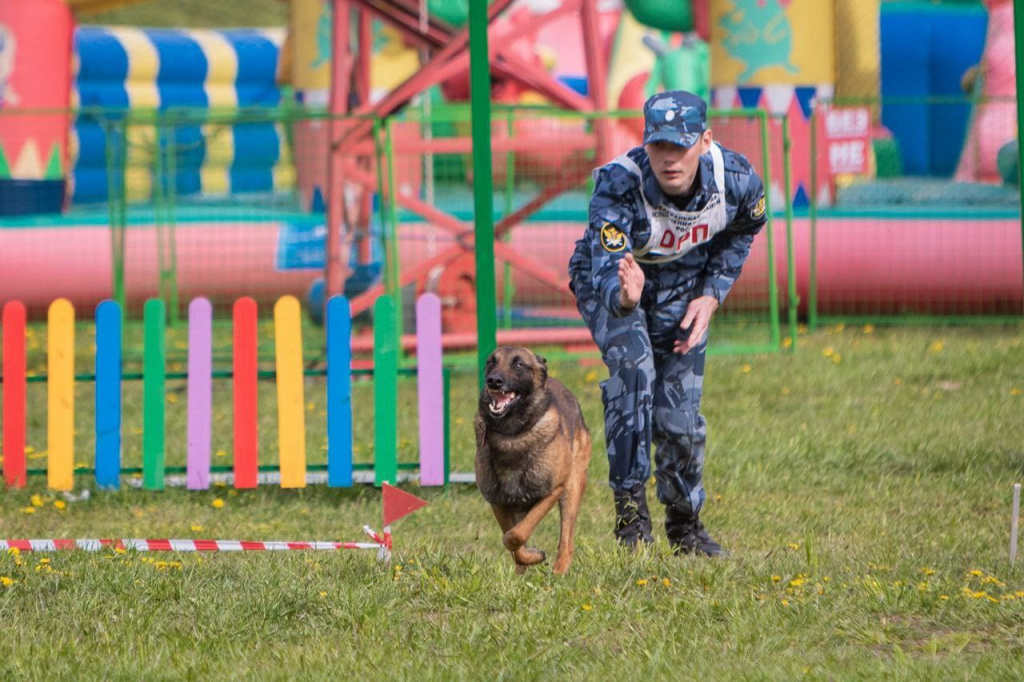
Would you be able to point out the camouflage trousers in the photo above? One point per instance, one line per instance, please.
(652, 395)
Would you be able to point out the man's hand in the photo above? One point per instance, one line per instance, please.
(697, 318)
(631, 282)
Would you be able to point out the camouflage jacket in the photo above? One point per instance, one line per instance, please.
(621, 222)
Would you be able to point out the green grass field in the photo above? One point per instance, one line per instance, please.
(863, 486)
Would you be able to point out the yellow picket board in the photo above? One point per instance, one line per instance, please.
(60, 347)
(291, 416)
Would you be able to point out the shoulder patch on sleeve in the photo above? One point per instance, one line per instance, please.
(757, 211)
(612, 238)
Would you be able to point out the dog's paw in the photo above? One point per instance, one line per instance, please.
(527, 556)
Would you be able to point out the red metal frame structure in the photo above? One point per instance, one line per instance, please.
(351, 143)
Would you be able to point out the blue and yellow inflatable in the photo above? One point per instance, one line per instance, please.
(123, 70)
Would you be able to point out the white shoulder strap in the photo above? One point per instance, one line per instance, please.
(719, 165)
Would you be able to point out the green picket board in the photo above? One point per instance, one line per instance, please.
(153, 388)
(385, 391)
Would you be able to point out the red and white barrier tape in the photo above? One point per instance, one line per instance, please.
(381, 543)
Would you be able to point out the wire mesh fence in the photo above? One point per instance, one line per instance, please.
(912, 223)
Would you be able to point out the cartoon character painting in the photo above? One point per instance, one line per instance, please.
(759, 34)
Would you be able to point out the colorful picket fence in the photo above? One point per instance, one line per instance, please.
(290, 392)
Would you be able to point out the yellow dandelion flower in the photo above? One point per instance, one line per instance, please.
(897, 381)
(28, 510)
(14, 551)
(590, 376)
(776, 578)
(666, 582)
(310, 407)
(323, 593)
(796, 582)
(837, 358)
(217, 503)
(936, 347)
(944, 597)
(597, 590)
(793, 545)
(60, 504)
(1014, 391)
(641, 582)
(586, 607)
(977, 573)
(928, 571)
(746, 368)
(222, 453)
(37, 501)
(172, 398)
(44, 560)
(828, 352)
(785, 602)
(7, 582)
(785, 390)
(29, 449)
(869, 329)
(787, 342)
(197, 529)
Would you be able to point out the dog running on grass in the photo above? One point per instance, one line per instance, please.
(532, 450)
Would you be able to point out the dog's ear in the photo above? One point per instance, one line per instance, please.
(542, 363)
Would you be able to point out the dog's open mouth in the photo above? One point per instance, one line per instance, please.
(500, 401)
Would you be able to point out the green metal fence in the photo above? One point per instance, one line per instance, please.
(925, 233)
(175, 219)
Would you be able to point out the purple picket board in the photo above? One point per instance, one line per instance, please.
(430, 384)
(200, 392)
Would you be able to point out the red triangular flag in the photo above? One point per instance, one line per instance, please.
(398, 503)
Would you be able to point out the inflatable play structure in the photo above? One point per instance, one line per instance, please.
(783, 56)
(993, 125)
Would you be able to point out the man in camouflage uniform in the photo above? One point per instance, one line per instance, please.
(671, 224)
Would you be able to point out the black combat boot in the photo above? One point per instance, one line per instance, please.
(686, 534)
(632, 520)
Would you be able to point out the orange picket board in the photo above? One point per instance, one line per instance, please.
(60, 335)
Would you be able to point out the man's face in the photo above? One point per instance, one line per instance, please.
(675, 167)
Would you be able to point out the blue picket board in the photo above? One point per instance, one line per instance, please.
(108, 395)
(339, 392)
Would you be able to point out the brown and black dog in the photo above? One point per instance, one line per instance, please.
(532, 450)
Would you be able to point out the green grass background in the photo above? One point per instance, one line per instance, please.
(862, 485)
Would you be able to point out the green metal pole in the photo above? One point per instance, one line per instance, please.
(117, 177)
(794, 302)
(446, 373)
(773, 285)
(812, 217)
(1018, 31)
(510, 178)
(170, 206)
(391, 269)
(483, 186)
